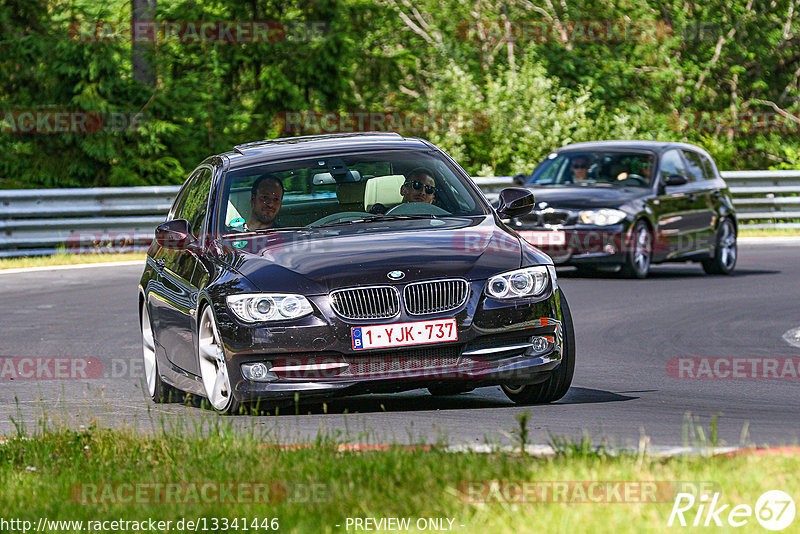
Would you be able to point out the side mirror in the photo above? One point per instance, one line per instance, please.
(675, 179)
(515, 202)
(175, 235)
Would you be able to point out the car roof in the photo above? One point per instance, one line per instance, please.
(312, 145)
(655, 146)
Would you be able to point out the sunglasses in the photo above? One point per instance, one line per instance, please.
(419, 185)
(580, 165)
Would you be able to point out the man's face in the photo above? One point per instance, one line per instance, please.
(580, 168)
(266, 203)
(419, 188)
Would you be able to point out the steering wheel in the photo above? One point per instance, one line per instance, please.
(417, 208)
(638, 178)
(340, 217)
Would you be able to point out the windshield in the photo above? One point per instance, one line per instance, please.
(609, 168)
(345, 189)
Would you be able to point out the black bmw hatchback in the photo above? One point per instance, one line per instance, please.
(336, 265)
(631, 204)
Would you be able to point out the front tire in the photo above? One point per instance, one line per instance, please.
(560, 379)
(725, 251)
(160, 392)
(213, 367)
(640, 253)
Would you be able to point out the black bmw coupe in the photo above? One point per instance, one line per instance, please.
(347, 264)
(630, 204)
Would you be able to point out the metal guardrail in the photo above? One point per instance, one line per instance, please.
(46, 221)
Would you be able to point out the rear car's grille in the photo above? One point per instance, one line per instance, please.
(435, 296)
(380, 302)
(554, 217)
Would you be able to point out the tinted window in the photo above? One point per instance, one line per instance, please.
(672, 163)
(708, 168)
(694, 165)
(327, 190)
(180, 199)
(194, 209)
(600, 167)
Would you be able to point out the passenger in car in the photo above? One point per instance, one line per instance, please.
(580, 168)
(265, 202)
(419, 186)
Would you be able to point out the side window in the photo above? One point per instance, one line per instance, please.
(708, 168)
(194, 209)
(672, 163)
(180, 199)
(694, 165)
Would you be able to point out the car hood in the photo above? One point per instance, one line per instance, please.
(586, 197)
(317, 261)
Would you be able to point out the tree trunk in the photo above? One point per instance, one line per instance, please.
(143, 71)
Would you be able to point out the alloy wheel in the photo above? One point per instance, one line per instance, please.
(213, 368)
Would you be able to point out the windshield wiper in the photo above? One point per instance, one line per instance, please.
(373, 218)
(251, 233)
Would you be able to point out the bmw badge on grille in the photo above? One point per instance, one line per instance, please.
(396, 275)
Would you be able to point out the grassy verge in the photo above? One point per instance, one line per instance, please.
(65, 475)
(767, 232)
(67, 259)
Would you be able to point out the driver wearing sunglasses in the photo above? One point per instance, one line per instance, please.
(580, 168)
(419, 186)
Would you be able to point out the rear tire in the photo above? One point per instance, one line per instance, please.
(560, 379)
(159, 391)
(725, 250)
(640, 253)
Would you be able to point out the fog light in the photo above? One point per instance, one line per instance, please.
(540, 344)
(258, 372)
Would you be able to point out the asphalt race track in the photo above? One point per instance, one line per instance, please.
(627, 331)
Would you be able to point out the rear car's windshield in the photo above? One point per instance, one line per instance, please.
(616, 168)
(344, 189)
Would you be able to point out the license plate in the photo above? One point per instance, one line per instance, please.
(402, 334)
(538, 238)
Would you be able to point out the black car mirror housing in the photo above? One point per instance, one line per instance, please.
(175, 235)
(515, 202)
(675, 179)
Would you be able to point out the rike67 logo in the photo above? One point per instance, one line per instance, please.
(774, 510)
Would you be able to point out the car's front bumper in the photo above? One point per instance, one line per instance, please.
(315, 359)
(581, 245)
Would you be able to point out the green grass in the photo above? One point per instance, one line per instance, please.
(44, 475)
(67, 259)
(769, 232)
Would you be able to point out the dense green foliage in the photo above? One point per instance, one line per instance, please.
(557, 80)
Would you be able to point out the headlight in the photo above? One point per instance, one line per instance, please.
(527, 282)
(602, 217)
(268, 307)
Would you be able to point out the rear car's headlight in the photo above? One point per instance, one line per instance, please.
(253, 308)
(527, 282)
(602, 217)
